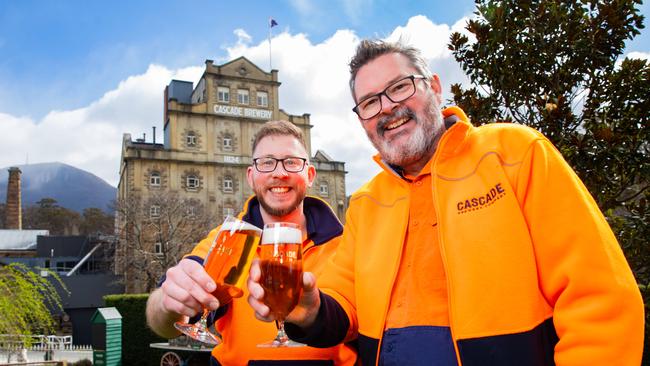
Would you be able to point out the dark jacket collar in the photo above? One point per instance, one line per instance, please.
(322, 223)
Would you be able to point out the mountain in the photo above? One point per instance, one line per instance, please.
(72, 188)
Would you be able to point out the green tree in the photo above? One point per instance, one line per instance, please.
(94, 220)
(553, 65)
(26, 302)
(46, 214)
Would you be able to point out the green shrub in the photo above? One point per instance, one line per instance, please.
(136, 335)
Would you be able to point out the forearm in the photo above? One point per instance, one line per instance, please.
(328, 327)
(160, 320)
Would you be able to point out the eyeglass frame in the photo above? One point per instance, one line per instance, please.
(304, 163)
(383, 92)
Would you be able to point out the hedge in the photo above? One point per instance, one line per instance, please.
(136, 335)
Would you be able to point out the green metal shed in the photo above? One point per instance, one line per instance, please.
(107, 337)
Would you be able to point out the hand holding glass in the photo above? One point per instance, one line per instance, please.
(227, 263)
(281, 275)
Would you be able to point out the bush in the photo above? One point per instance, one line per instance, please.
(84, 362)
(136, 335)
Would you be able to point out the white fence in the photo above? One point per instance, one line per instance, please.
(41, 347)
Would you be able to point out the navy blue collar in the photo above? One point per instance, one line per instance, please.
(322, 223)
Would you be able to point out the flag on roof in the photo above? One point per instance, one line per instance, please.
(272, 23)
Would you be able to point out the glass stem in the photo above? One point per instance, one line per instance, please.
(203, 322)
(282, 336)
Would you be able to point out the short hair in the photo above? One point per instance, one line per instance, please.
(370, 49)
(279, 128)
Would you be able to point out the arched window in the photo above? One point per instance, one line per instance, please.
(154, 179)
(192, 182)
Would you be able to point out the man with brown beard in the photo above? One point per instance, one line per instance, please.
(279, 176)
(473, 246)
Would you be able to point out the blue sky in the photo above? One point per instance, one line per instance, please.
(75, 75)
(65, 54)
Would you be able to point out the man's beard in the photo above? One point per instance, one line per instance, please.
(279, 211)
(428, 129)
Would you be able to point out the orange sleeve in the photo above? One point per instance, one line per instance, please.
(598, 310)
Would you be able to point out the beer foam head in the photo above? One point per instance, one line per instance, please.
(281, 234)
(240, 226)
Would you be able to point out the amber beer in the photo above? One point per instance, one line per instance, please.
(230, 257)
(281, 267)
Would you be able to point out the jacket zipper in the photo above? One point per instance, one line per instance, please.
(395, 269)
(441, 244)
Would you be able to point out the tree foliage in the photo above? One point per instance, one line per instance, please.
(554, 65)
(165, 219)
(26, 302)
(46, 214)
(94, 220)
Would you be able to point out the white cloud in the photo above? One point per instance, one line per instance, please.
(90, 138)
(634, 54)
(641, 55)
(242, 37)
(314, 80)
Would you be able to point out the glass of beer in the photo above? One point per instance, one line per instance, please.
(227, 262)
(281, 275)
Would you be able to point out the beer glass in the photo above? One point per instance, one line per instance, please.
(227, 262)
(281, 275)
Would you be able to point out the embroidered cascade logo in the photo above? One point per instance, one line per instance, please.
(480, 202)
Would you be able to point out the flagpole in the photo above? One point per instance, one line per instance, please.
(270, 62)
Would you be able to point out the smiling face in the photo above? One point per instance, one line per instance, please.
(404, 133)
(279, 192)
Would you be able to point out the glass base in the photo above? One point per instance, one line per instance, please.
(281, 340)
(276, 343)
(198, 333)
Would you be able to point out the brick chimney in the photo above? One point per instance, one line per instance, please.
(13, 210)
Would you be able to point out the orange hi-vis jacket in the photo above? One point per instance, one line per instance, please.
(534, 273)
(241, 331)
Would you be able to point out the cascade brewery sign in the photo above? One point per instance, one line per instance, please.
(242, 112)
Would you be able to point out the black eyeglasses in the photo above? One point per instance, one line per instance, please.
(290, 164)
(396, 92)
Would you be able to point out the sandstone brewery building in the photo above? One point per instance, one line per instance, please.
(208, 131)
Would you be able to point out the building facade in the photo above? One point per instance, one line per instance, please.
(208, 134)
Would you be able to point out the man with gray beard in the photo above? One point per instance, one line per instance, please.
(473, 246)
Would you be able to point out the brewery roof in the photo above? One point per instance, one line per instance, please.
(20, 239)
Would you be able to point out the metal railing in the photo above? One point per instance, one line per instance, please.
(39, 342)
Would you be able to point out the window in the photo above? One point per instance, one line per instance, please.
(324, 190)
(158, 249)
(154, 179)
(228, 211)
(190, 211)
(262, 99)
(190, 139)
(242, 96)
(192, 182)
(154, 211)
(227, 143)
(223, 94)
(227, 184)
